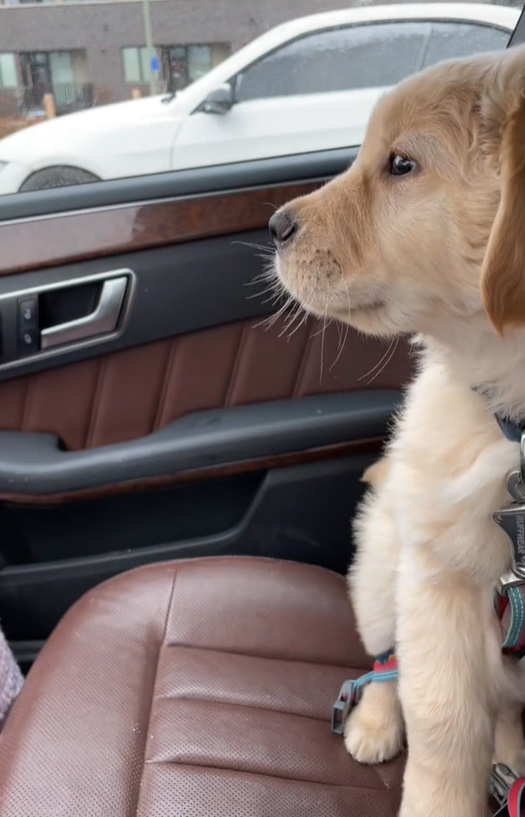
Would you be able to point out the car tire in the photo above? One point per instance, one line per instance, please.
(59, 176)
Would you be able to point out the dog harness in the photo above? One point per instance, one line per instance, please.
(511, 430)
(506, 790)
(384, 669)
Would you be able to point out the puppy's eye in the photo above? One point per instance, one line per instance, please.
(400, 165)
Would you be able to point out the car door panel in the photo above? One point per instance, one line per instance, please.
(315, 121)
(122, 396)
(205, 423)
(37, 465)
(245, 515)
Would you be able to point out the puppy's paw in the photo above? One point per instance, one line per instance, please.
(374, 730)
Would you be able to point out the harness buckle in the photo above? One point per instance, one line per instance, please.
(500, 782)
(512, 521)
(349, 697)
(508, 580)
(507, 790)
(385, 669)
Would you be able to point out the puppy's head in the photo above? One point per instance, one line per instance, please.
(429, 220)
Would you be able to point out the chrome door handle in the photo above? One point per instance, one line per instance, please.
(103, 320)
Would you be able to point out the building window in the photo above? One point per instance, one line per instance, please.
(61, 73)
(136, 65)
(183, 64)
(8, 71)
(179, 64)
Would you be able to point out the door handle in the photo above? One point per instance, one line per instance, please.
(102, 320)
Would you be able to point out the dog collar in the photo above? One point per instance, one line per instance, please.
(511, 430)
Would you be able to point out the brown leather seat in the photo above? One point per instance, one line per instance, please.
(198, 689)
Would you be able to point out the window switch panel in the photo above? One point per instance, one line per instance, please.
(28, 328)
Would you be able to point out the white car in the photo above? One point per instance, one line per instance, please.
(306, 85)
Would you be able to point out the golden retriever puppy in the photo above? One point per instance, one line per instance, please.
(425, 235)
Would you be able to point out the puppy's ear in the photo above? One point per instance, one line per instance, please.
(503, 270)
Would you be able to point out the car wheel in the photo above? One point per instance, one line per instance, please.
(57, 177)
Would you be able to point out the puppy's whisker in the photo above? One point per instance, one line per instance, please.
(268, 248)
(379, 362)
(268, 283)
(323, 337)
(267, 276)
(294, 312)
(273, 299)
(344, 335)
(393, 346)
(272, 320)
(326, 323)
(268, 290)
(297, 315)
(303, 320)
(342, 342)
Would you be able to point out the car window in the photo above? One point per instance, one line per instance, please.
(365, 56)
(111, 89)
(451, 40)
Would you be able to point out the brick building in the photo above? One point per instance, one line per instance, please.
(93, 52)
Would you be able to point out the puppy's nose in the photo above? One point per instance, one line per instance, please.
(282, 227)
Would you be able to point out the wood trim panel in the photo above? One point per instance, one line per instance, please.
(78, 236)
(371, 446)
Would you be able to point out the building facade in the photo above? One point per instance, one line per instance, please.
(87, 53)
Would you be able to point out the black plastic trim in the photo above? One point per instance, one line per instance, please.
(180, 183)
(518, 35)
(35, 465)
(300, 513)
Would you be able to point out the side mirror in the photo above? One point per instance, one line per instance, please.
(219, 101)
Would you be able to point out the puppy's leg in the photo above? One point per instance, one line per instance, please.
(374, 730)
(447, 688)
(509, 742)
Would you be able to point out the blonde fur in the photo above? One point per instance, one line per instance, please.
(438, 253)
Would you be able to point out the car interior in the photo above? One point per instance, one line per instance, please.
(180, 459)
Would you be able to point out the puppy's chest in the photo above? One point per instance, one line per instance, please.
(443, 498)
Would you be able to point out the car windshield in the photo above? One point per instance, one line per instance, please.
(110, 89)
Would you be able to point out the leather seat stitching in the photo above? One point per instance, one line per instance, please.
(240, 705)
(233, 770)
(282, 659)
(153, 687)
